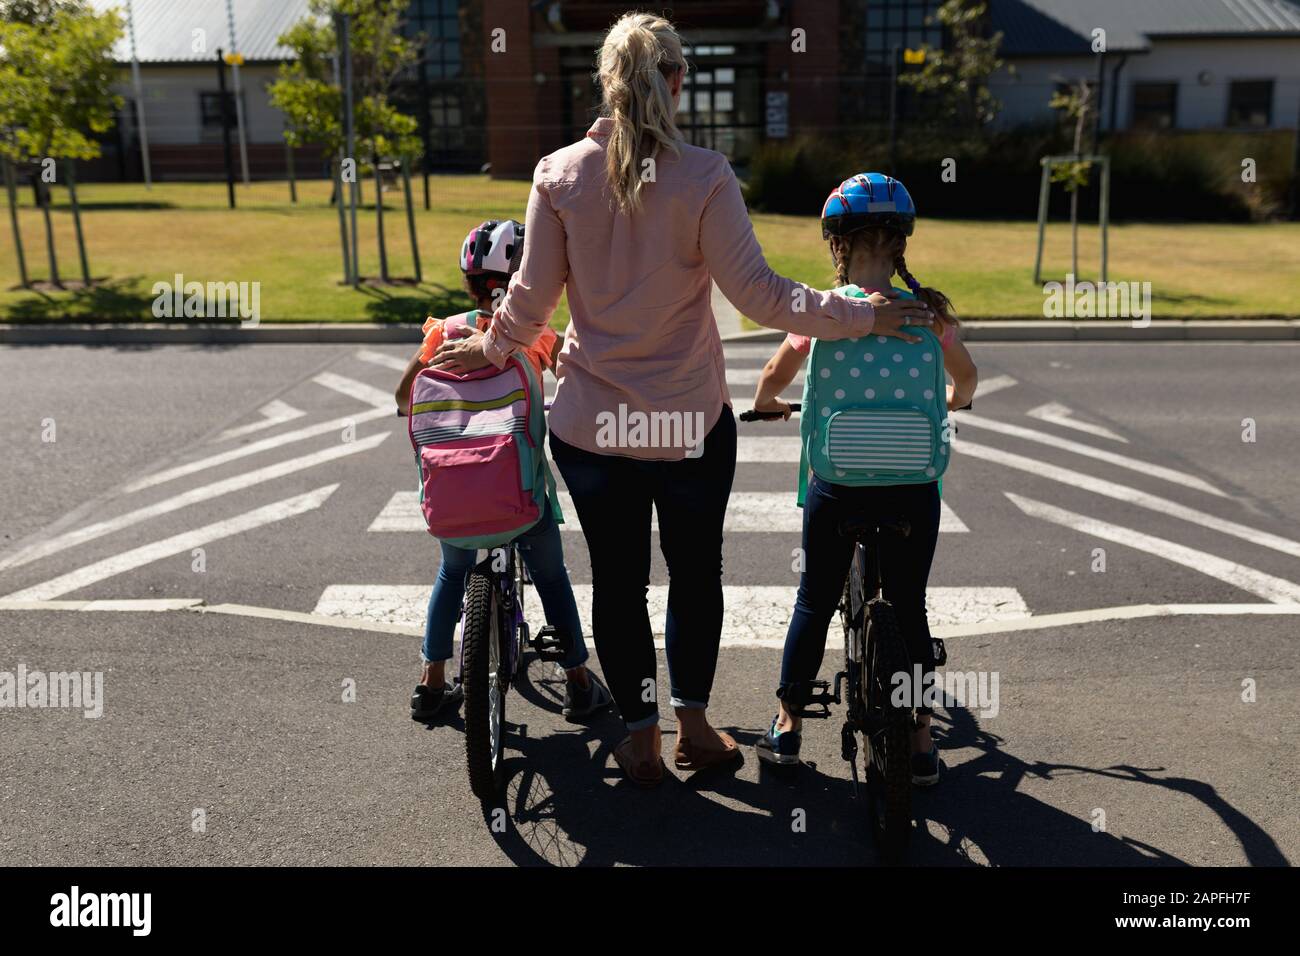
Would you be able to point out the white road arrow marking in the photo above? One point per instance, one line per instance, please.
(1054, 413)
(1271, 588)
(176, 544)
(1079, 448)
(273, 413)
(266, 444)
(995, 384)
(379, 358)
(358, 390)
(1077, 479)
(81, 535)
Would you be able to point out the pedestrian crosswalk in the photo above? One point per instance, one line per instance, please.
(325, 438)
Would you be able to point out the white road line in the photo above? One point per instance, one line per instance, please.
(1054, 413)
(748, 378)
(266, 444)
(995, 384)
(140, 605)
(1129, 612)
(176, 544)
(358, 390)
(946, 631)
(273, 413)
(750, 350)
(43, 549)
(764, 512)
(755, 616)
(1079, 448)
(1077, 479)
(1271, 588)
(379, 358)
(767, 449)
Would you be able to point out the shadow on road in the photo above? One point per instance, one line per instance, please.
(567, 804)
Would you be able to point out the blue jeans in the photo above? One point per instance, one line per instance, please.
(827, 556)
(543, 554)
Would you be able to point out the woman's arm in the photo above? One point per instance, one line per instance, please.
(736, 262)
(775, 378)
(958, 363)
(535, 289)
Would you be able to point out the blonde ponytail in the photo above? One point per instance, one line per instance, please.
(640, 54)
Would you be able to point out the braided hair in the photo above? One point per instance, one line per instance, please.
(882, 241)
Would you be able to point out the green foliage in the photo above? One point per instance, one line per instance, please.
(56, 80)
(958, 77)
(1077, 104)
(38, 12)
(305, 90)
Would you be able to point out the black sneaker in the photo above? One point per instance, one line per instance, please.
(779, 747)
(427, 703)
(925, 768)
(580, 702)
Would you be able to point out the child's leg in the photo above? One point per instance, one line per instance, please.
(444, 607)
(905, 572)
(827, 555)
(543, 554)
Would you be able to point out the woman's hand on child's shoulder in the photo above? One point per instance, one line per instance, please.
(894, 313)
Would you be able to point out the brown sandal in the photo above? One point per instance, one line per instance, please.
(643, 773)
(686, 756)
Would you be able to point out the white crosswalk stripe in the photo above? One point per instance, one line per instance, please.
(756, 616)
(748, 511)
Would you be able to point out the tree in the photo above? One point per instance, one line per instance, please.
(957, 76)
(313, 103)
(56, 76)
(1077, 103)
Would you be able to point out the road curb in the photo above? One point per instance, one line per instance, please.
(1103, 330)
(326, 333)
(361, 333)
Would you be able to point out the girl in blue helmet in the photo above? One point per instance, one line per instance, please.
(866, 220)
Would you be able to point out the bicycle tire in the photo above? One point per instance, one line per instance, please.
(889, 752)
(485, 685)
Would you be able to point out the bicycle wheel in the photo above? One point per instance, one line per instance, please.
(486, 680)
(889, 745)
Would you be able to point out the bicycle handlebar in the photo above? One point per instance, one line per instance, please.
(753, 415)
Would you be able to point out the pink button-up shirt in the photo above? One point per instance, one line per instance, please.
(642, 338)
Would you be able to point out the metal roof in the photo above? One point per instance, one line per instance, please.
(1065, 26)
(164, 29)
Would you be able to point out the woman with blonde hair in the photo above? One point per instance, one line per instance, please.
(636, 225)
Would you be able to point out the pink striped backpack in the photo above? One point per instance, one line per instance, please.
(479, 442)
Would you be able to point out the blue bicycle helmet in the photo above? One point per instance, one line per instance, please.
(868, 199)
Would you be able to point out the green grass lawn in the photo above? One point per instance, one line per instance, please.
(137, 237)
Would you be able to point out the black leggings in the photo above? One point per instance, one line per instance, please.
(613, 496)
(827, 555)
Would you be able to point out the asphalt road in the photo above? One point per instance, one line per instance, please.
(1120, 734)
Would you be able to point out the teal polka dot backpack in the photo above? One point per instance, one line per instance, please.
(875, 410)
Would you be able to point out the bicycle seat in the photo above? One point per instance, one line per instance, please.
(860, 528)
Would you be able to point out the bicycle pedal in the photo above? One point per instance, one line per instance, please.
(550, 645)
(821, 696)
(940, 651)
(849, 745)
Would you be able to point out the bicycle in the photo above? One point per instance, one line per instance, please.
(494, 634)
(874, 651)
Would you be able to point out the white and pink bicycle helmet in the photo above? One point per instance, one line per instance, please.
(496, 245)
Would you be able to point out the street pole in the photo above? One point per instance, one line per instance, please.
(139, 100)
(338, 196)
(893, 111)
(239, 100)
(346, 21)
(225, 127)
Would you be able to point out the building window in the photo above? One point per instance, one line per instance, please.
(895, 25)
(721, 103)
(1155, 105)
(210, 109)
(1250, 103)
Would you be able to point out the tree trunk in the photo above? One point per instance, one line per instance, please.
(13, 219)
(44, 191)
(410, 220)
(76, 221)
(379, 218)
